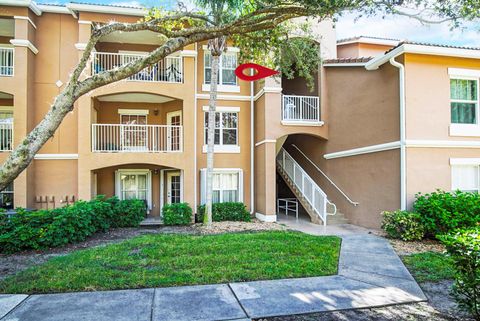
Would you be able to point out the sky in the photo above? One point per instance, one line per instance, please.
(396, 27)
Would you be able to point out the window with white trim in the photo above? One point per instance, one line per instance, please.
(226, 128)
(466, 178)
(6, 197)
(464, 101)
(134, 184)
(226, 72)
(227, 185)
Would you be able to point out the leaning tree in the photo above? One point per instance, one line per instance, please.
(258, 24)
(178, 29)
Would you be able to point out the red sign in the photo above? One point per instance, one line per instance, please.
(261, 72)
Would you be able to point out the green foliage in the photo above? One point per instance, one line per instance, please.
(430, 266)
(126, 213)
(464, 249)
(443, 212)
(228, 211)
(177, 214)
(74, 223)
(403, 225)
(170, 260)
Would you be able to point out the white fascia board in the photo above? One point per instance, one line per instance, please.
(423, 50)
(53, 9)
(107, 9)
(23, 3)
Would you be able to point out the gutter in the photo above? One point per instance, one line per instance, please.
(403, 174)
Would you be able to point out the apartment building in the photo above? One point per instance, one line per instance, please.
(376, 129)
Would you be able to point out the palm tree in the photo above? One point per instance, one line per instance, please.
(220, 11)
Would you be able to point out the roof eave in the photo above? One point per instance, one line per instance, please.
(424, 50)
(23, 3)
(76, 7)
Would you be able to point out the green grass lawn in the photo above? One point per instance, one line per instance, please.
(429, 266)
(169, 260)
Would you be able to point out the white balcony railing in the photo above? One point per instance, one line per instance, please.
(169, 69)
(6, 61)
(6, 137)
(108, 138)
(300, 109)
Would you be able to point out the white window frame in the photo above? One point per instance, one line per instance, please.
(118, 187)
(203, 181)
(233, 88)
(221, 148)
(12, 192)
(458, 162)
(465, 130)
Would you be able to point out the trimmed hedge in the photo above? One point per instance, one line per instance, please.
(177, 214)
(464, 249)
(403, 225)
(74, 223)
(229, 211)
(443, 212)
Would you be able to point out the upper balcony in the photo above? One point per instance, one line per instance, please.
(169, 69)
(7, 32)
(137, 123)
(6, 122)
(6, 61)
(301, 110)
(118, 49)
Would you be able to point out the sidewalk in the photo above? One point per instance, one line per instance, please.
(370, 274)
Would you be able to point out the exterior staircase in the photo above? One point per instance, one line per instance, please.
(312, 198)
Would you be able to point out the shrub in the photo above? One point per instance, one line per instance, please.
(177, 214)
(73, 223)
(403, 225)
(464, 249)
(443, 212)
(229, 211)
(127, 213)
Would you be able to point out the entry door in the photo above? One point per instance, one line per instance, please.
(174, 187)
(173, 134)
(133, 132)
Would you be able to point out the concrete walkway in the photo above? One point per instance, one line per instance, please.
(370, 275)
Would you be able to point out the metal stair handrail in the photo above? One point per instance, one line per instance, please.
(326, 176)
(310, 191)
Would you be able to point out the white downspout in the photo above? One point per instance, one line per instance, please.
(252, 149)
(403, 174)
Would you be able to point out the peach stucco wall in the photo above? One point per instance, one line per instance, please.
(428, 119)
(355, 50)
(368, 115)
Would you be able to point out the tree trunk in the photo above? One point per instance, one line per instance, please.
(216, 47)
